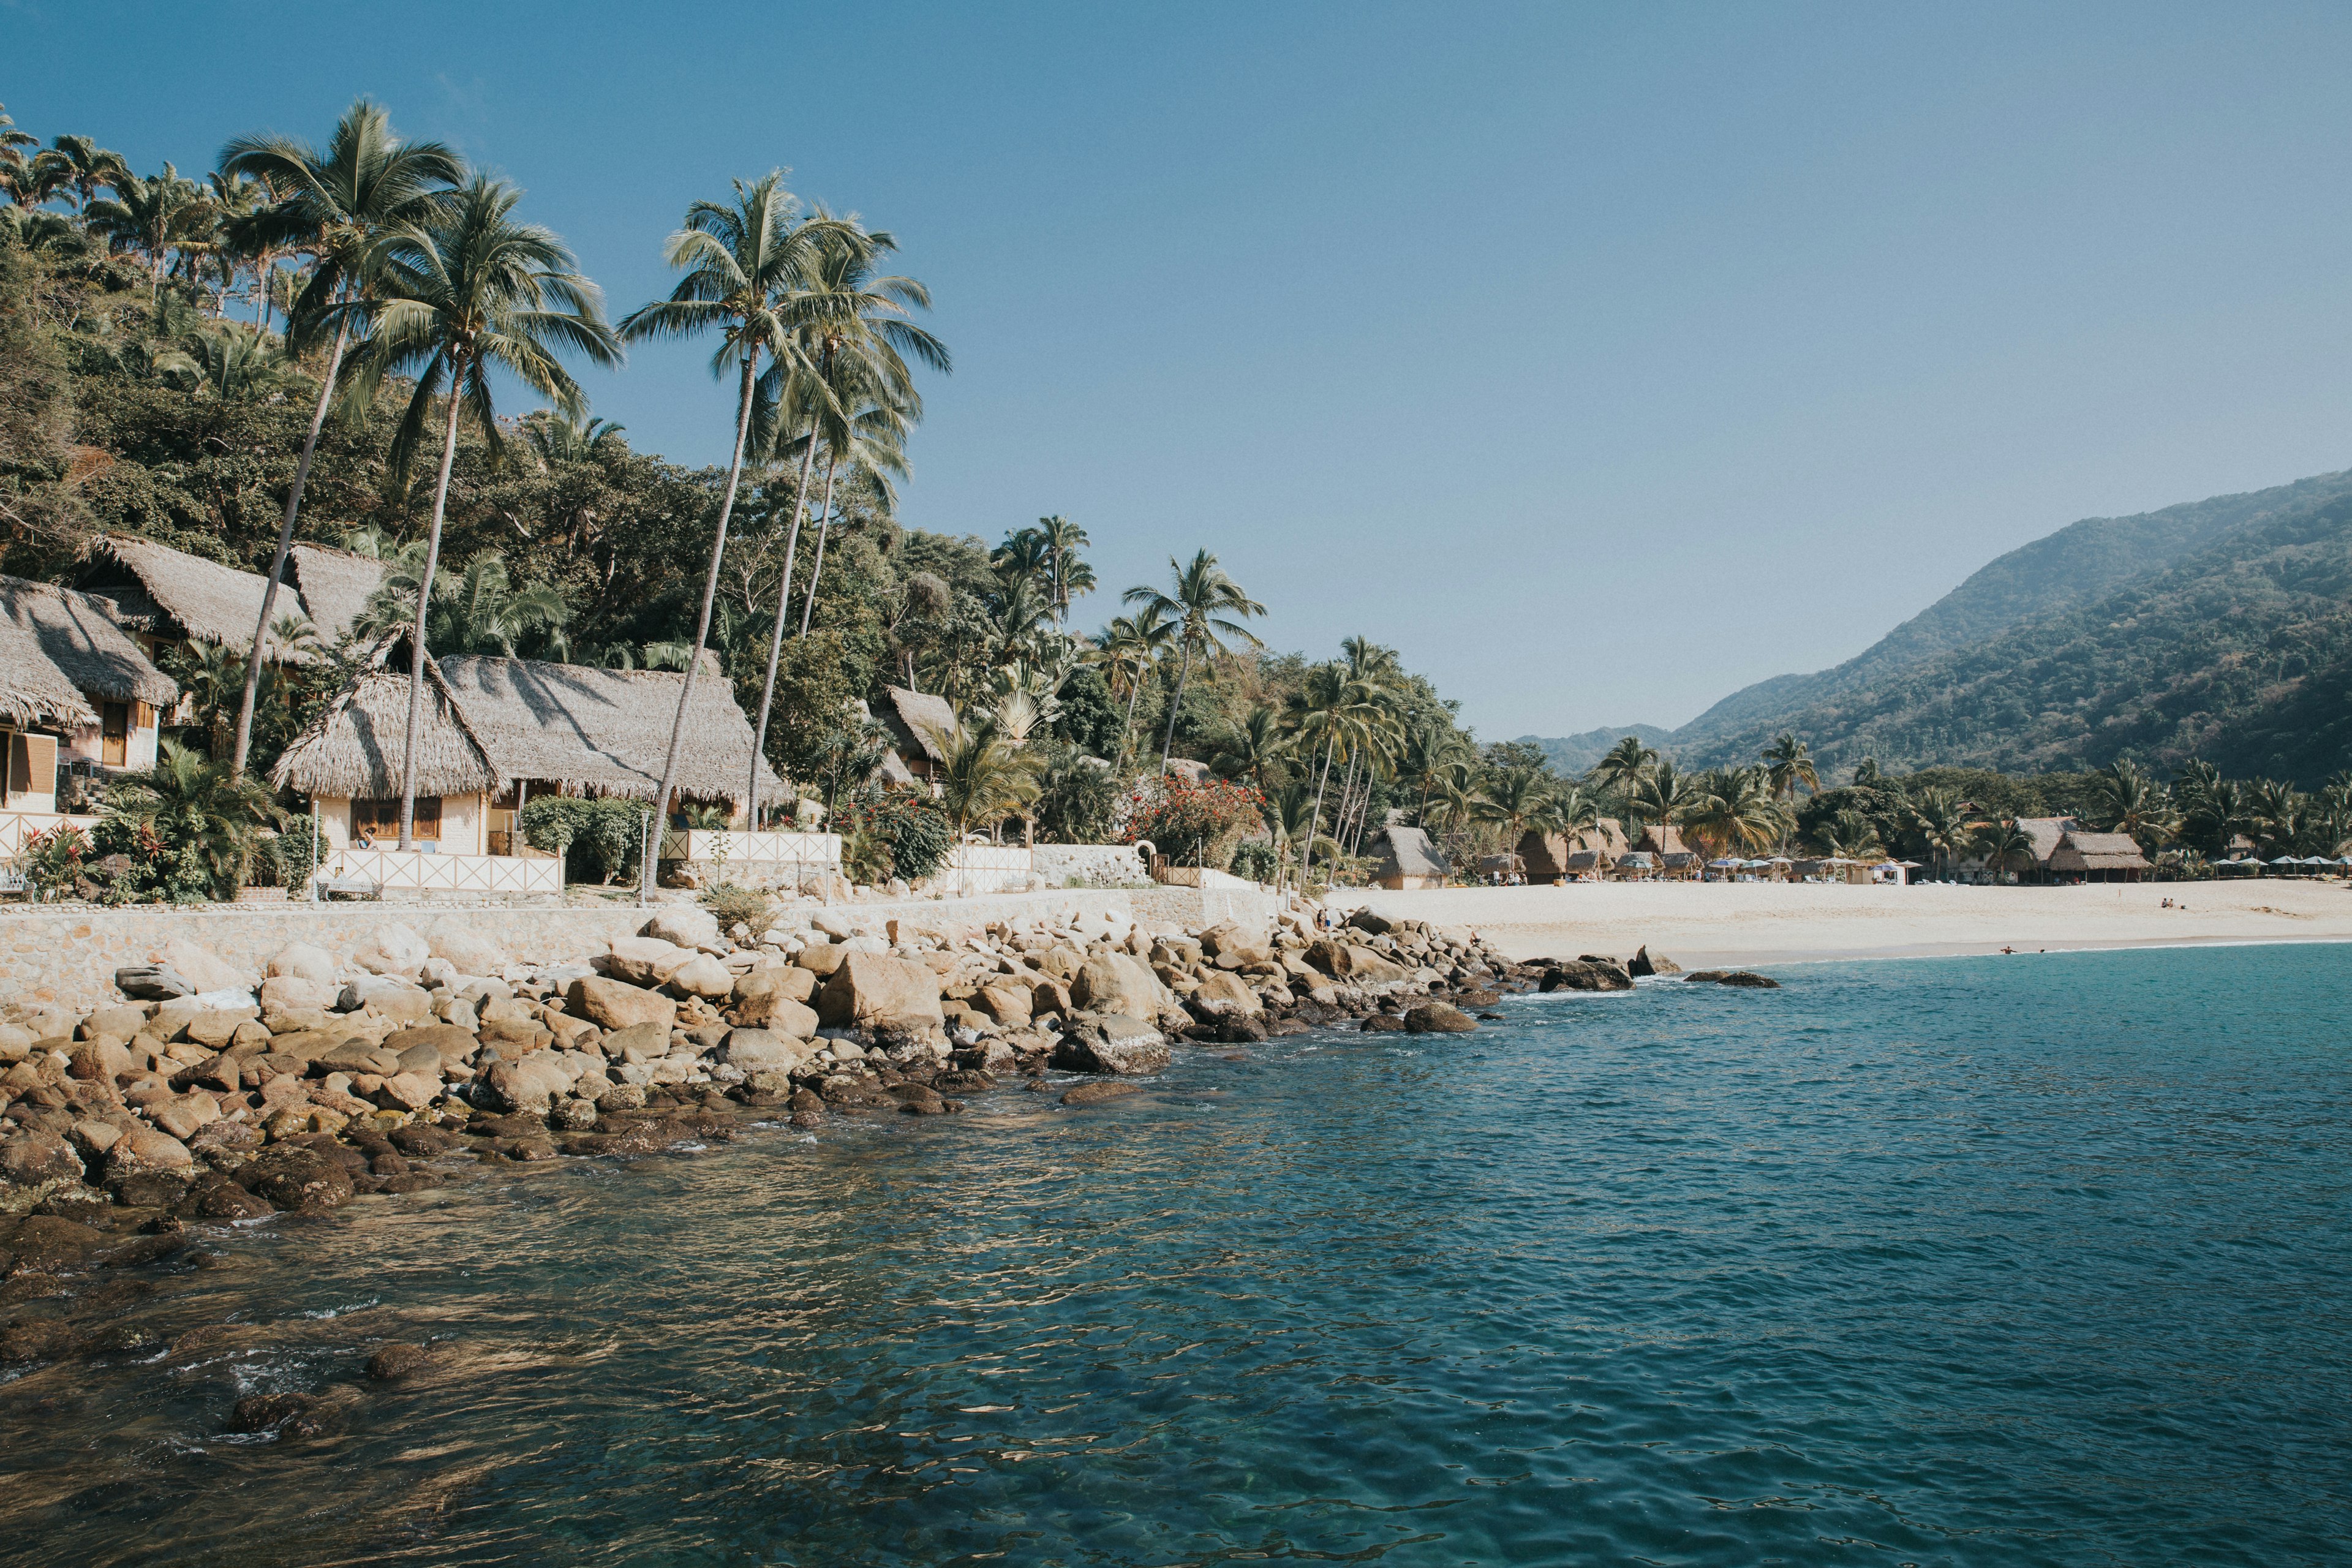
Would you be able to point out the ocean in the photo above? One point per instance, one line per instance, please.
(2037, 1260)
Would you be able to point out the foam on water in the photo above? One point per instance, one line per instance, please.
(2024, 1260)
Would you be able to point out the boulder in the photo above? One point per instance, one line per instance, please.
(872, 990)
(116, 1023)
(389, 998)
(448, 1042)
(97, 1060)
(1384, 1023)
(756, 1051)
(1370, 923)
(200, 968)
(531, 1084)
(144, 1152)
(835, 925)
(648, 1040)
(1115, 983)
(296, 1178)
(1366, 967)
(1644, 964)
(407, 1091)
(291, 1002)
(684, 925)
(1739, 977)
(1008, 1004)
(1095, 1093)
(462, 946)
(1222, 992)
(32, 1165)
(394, 1363)
(1437, 1018)
(1562, 975)
(616, 1005)
(820, 959)
(644, 959)
(215, 1028)
(790, 981)
(1111, 1043)
(94, 1138)
(779, 1012)
(182, 1116)
(392, 949)
(152, 981)
(301, 961)
(702, 976)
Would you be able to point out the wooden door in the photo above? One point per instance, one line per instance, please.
(115, 733)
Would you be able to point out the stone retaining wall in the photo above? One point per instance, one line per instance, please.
(1096, 865)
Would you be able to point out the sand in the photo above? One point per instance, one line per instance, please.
(1722, 924)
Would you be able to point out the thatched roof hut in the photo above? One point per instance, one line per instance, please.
(1550, 856)
(335, 586)
(1662, 839)
(604, 730)
(33, 690)
(174, 595)
(2043, 834)
(917, 720)
(78, 635)
(2106, 854)
(356, 749)
(1411, 860)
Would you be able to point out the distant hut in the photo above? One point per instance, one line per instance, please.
(1635, 866)
(63, 635)
(918, 723)
(2098, 858)
(2043, 834)
(1411, 861)
(1558, 857)
(1501, 870)
(1662, 839)
(349, 761)
(169, 597)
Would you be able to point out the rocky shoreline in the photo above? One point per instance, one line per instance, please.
(202, 1099)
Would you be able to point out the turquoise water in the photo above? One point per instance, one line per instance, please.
(2029, 1260)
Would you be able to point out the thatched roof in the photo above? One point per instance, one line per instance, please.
(357, 747)
(1411, 854)
(2097, 852)
(33, 690)
(917, 719)
(336, 586)
(1564, 854)
(1663, 838)
(604, 729)
(203, 599)
(2043, 832)
(78, 635)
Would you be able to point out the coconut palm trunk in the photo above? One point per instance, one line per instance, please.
(823, 522)
(285, 546)
(416, 653)
(1306, 862)
(1175, 704)
(783, 600)
(645, 873)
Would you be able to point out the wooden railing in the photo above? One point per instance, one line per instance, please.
(15, 827)
(416, 872)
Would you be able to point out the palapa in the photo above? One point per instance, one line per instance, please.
(919, 720)
(1410, 857)
(32, 690)
(356, 748)
(78, 633)
(335, 586)
(2084, 852)
(190, 597)
(1553, 854)
(603, 731)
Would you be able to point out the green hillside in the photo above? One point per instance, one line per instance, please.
(1574, 754)
(2237, 650)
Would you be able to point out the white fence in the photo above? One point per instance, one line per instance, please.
(800, 860)
(985, 868)
(15, 827)
(416, 872)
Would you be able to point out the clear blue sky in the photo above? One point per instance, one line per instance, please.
(1602, 359)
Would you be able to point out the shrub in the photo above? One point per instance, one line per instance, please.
(736, 906)
(1078, 800)
(1254, 858)
(885, 834)
(1190, 824)
(598, 839)
(53, 862)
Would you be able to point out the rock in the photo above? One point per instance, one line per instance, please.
(1115, 983)
(94, 1138)
(1384, 1023)
(462, 946)
(1438, 1018)
(702, 976)
(1096, 1093)
(422, 1139)
(617, 1005)
(298, 999)
(643, 960)
(1644, 964)
(216, 1026)
(301, 961)
(300, 1180)
(1221, 993)
(143, 1152)
(446, 1042)
(1370, 923)
(218, 1197)
(294, 1417)
(835, 925)
(390, 998)
(789, 981)
(921, 1100)
(1739, 977)
(1111, 1043)
(621, 1097)
(392, 949)
(774, 1010)
(684, 925)
(648, 1040)
(758, 1049)
(1561, 974)
(870, 990)
(183, 1116)
(152, 981)
(200, 968)
(820, 959)
(531, 1085)
(574, 1115)
(98, 1060)
(1366, 967)
(409, 1090)
(394, 1363)
(114, 1023)
(1008, 1004)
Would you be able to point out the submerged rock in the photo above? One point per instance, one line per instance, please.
(1740, 977)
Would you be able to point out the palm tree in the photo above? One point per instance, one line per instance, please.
(1329, 710)
(872, 439)
(1788, 763)
(1515, 798)
(186, 799)
(2004, 846)
(338, 205)
(1849, 834)
(1246, 749)
(557, 439)
(742, 263)
(1290, 818)
(480, 611)
(1663, 795)
(470, 291)
(1735, 809)
(850, 330)
(1941, 819)
(2125, 800)
(1127, 652)
(1621, 770)
(1425, 749)
(150, 215)
(78, 164)
(1203, 606)
(1068, 573)
(983, 775)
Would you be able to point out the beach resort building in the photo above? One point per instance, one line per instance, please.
(77, 693)
(1410, 862)
(1566, 857)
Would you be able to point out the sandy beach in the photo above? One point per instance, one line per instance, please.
(1719, 923)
